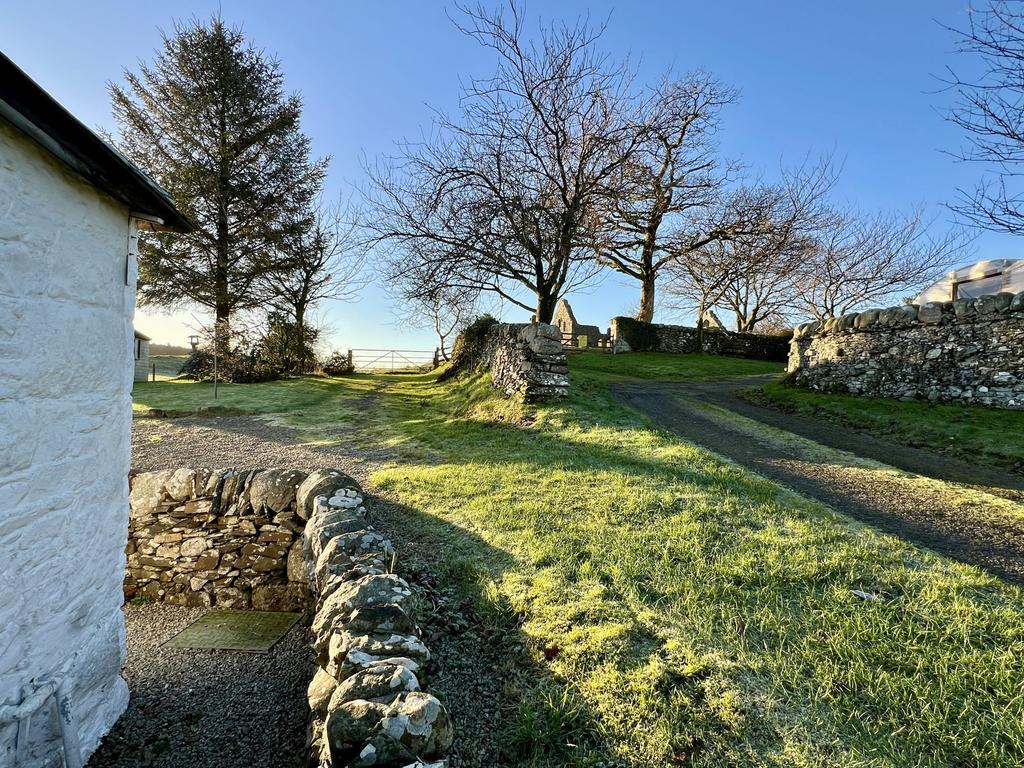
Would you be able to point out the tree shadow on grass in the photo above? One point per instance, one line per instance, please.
(508, 708)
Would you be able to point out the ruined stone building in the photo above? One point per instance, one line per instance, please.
(572, 330)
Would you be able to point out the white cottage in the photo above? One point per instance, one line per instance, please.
(70, 210)
(140, 351)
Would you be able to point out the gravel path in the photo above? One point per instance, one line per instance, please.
(973, 528)
(193, 708)
(472, 669)
(238, 441)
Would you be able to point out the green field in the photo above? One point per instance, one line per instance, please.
(167, 366)
(678, 610)
(991, 435)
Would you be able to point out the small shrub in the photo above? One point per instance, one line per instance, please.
(239, 366)
(337, 364)
(469, 347)
(198, 365)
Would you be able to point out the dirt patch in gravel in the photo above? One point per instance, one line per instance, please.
(972, 531)
(193, 708)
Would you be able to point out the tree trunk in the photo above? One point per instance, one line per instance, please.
(545, 308)
(701, 308)
(645, 313)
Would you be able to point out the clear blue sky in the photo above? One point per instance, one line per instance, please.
(853, 78)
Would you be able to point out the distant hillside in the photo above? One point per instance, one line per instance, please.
(168, 349)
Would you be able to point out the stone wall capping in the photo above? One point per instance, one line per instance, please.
(367, 702)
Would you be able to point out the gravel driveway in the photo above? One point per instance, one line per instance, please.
(193, 708)
(966, 512)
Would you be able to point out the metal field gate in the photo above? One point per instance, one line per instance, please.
(393, 360)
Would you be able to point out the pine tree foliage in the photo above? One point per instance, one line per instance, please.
(210, 121)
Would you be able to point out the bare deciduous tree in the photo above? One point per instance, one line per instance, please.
(990, 108)
(698, 282)
(510, 197)
(325, 262)
(670, 183)
(770, 259)
(858, 260)
(447, 310)
(753, 224)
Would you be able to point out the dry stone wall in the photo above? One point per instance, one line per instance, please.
(629, 335)
(367, 700)
(965, 351)
(527, 360)
(230, 538)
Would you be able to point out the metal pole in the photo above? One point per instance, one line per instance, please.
(154, 371)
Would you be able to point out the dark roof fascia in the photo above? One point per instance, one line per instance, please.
(42, 118)
(141, 335)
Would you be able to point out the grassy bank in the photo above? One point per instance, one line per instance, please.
(678, 610)
(980, 434)
(658, 365)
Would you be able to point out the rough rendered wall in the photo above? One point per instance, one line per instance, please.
(965, 351)
(65, 410)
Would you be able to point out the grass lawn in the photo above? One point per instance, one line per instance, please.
(659, 365)
(289, 396)
(984, 434)
(679, 611)
(167, 366)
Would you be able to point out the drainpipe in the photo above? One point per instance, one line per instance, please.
(60, 691)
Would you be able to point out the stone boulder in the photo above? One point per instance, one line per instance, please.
(324, 526)
(273, 490)
(340, 552)
(380, 683)
(931, 312)
(366, 733)
(369, 591)
(321, 689)
(323, 482)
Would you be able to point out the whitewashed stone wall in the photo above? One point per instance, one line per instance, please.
(65, 356)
